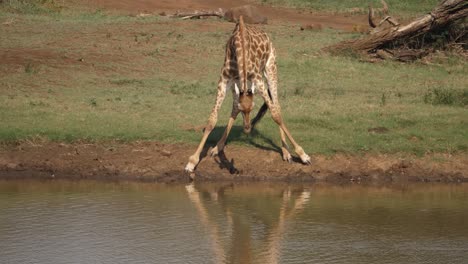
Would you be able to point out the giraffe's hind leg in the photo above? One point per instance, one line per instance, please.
(275, 110)
(259, 115)
(222, 142)
(284, 147)
(271, 83)
(270, 96)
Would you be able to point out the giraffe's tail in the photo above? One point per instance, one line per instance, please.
(241, 56)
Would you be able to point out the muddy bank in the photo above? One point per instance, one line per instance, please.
(157, 162)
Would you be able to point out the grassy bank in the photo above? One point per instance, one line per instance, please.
(397, 7)
(70, 75)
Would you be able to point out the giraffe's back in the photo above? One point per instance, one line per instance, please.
(257, 49)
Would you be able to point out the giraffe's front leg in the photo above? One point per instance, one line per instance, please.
(195, 158)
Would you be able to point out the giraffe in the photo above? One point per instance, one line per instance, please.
(249, 57)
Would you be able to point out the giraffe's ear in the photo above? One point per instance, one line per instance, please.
(253, 88)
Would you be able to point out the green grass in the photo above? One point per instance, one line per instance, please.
(396, 7)
(32, 6)
(442, 96)
(96, 76)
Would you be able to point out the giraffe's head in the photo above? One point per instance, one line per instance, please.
(246, 105)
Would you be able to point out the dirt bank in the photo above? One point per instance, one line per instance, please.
(152, 161)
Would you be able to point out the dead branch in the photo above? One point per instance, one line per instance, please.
(385, 7)
(371, 17)
(8, 22)
(198, 14)
(447, 12)
(250, 13)
(400, 55)
(386, 18)
(390, 20)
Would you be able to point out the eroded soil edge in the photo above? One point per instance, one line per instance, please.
(157, 162)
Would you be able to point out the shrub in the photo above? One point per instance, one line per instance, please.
(443, 96)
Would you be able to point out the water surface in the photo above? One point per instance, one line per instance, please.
(98, 222)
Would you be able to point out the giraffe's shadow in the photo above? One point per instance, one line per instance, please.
(237, 134)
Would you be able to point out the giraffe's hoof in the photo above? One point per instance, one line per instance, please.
(214, 151)
(286, 155)
(306, 159)
(189, 168)
(190, 172)
(192, 176)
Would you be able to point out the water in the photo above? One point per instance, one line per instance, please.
(96, 222)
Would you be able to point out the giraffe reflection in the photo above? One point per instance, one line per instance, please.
(237, 237)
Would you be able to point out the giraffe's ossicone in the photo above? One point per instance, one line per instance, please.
(250, 57)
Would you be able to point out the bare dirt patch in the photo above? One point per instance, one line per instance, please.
(165, 5)
(24, 56)
(20, 59)
(274, 14)
(153, 161)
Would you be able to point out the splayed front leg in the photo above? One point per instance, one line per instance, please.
(195, 158)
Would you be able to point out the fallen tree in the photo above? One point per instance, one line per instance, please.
(444, 14)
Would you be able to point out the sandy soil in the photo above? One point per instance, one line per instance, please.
(153, 161)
